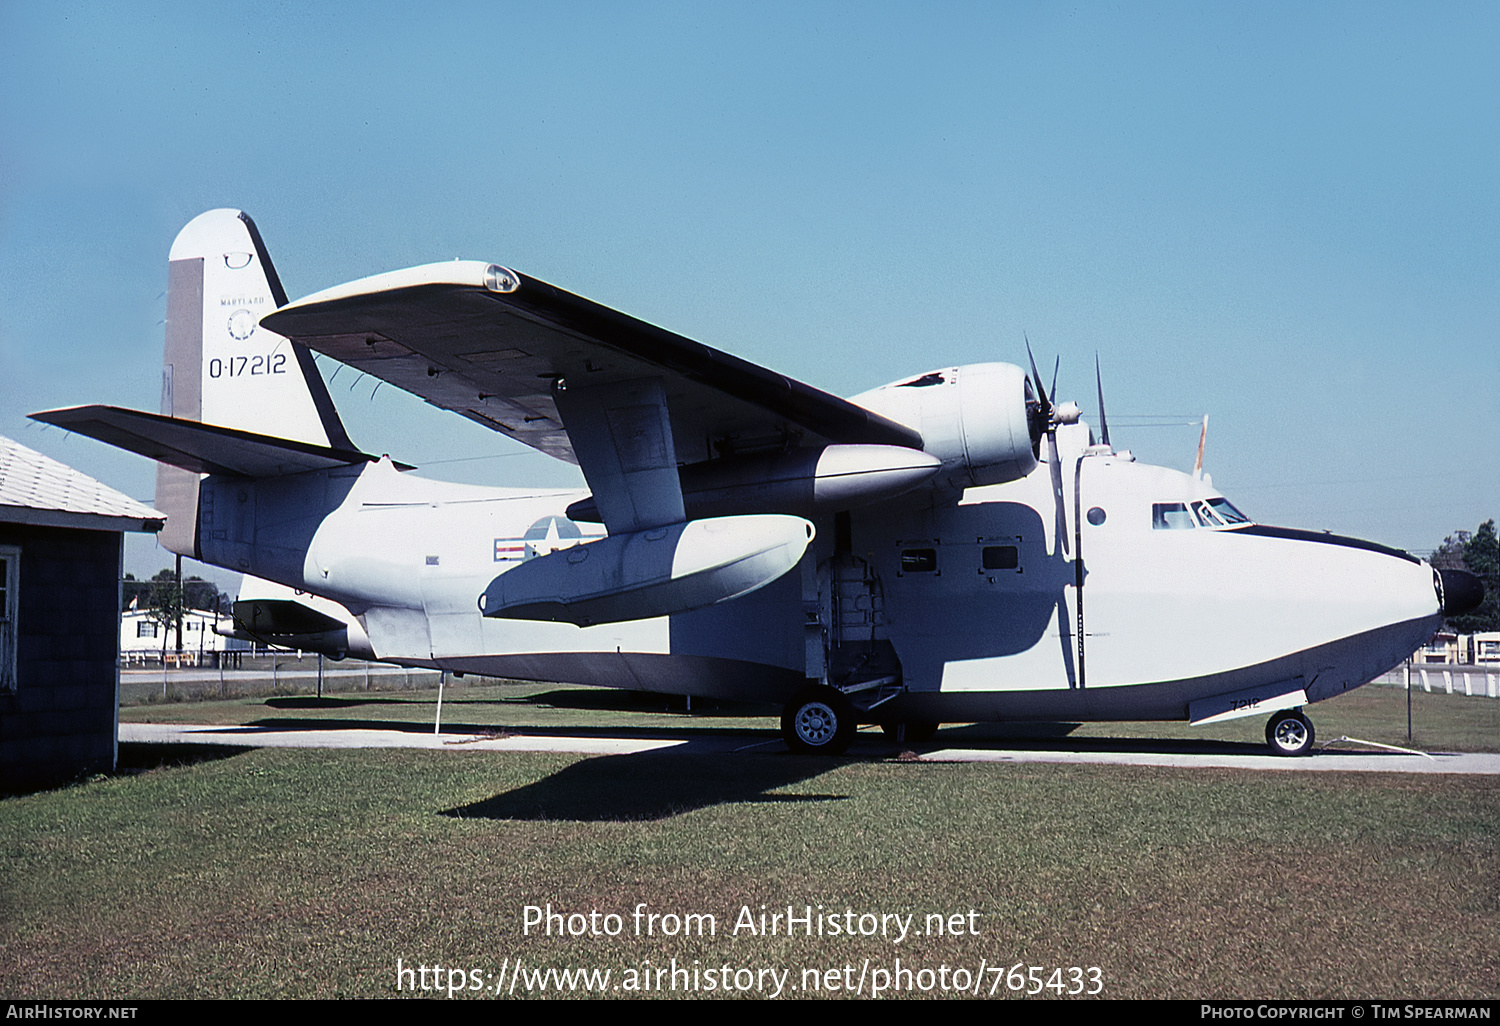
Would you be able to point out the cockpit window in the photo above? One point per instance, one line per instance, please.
(1171, 516)
(1226, 512)
(1212, 513)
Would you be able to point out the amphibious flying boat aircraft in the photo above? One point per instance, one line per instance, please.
(953, 546)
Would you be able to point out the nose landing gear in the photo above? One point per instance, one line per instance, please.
(1288, 732)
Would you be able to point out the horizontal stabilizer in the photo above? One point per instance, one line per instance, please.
(262, 617)
(200, 448)
(273, 614)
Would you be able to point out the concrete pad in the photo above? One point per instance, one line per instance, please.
(268, 737)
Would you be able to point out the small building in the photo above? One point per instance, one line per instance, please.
(61, 552)
(204, 638)
(1443, 647)
(1486, 648)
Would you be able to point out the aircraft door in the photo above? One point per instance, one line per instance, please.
(858, 654)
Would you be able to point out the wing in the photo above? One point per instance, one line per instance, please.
(496, 346)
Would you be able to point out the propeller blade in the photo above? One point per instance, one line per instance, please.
(1103, 423)
(1039, 420)
(1036, 377)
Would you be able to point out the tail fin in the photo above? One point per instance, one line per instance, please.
(221, 367)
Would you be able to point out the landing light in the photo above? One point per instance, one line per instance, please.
(501, 279)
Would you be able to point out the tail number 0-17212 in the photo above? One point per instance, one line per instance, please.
(242, 366)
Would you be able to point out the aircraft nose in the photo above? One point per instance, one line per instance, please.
(1458, 591)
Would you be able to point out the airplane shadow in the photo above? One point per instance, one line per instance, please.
(652, 786)
(1011, 731)
(313, 702)
(1050, 737)
(614, 700)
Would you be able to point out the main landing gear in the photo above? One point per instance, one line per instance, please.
(1288, 732)
(822, 720)
(818, 721)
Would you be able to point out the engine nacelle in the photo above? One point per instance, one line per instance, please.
(805, 482)
(973, 418)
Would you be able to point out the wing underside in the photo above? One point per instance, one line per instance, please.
(493, 345)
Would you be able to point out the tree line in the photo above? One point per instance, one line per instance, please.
(163, 591)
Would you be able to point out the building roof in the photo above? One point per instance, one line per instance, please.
(36, 489)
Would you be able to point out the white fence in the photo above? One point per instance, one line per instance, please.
(1475, 682)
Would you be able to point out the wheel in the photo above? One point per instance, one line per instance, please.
(1289, 733)
(916, 732)
(819, 721)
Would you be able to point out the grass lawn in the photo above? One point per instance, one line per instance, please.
(307, 873)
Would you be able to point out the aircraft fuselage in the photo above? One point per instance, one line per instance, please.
(973, 606)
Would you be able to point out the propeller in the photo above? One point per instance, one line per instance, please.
(1044, 418)
(1039, 412)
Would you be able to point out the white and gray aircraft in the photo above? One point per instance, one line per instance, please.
(950, 547)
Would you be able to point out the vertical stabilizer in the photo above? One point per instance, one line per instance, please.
(221, 367)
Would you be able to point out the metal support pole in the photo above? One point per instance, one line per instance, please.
(1408, 701)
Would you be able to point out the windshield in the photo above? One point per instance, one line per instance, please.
(1226, 512)
(1178, 516)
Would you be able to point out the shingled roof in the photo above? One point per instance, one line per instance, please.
(36, 489)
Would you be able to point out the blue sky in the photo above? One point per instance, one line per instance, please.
(1283, 216)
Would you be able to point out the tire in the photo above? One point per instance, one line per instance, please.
(819, 721)
(1290, 733)
(916, 733)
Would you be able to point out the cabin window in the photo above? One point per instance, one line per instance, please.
(145, 629)
(1171, 516)
(919, 561)
(1000, 557)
